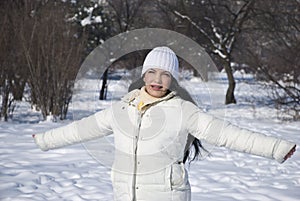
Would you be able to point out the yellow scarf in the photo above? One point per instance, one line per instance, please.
(145, 99)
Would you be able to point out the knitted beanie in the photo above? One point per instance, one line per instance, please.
(163, 58)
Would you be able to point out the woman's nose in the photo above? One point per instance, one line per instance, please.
(157, 78)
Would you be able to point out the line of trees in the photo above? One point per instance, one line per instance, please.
(43, 43)
(41, 53)
(263, 35)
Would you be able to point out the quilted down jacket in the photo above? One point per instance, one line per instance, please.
(149, 145)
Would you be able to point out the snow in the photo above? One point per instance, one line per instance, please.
(71, 173)
(90, 19)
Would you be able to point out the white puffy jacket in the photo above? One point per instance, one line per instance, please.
(150, 145)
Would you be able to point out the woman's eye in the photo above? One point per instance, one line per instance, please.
(167, 74)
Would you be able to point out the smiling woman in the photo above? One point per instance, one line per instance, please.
(158, 68)
(152, 126)
(157, 82)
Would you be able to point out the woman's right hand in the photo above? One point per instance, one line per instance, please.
(291, 152)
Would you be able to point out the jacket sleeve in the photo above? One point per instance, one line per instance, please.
(94, 126)
(221, 133)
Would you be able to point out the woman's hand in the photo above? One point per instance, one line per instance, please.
(291, 152)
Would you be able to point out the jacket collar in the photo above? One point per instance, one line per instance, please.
(136, 93)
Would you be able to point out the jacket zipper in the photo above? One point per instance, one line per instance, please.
(136, 138)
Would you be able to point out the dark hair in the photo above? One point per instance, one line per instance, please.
(191, 141)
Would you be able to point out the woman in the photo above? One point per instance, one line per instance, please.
(151, 127)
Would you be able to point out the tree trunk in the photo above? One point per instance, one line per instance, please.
(104, 86)
(4, 104)
(231, 85)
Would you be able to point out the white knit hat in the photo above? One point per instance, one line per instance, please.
(163, 58)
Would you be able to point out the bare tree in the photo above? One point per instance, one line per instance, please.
(52, 53)
(217, 25)
(125, 14)
(124, 17)
(272, 46)
(5, 72)
(94, 21)
(13, 74)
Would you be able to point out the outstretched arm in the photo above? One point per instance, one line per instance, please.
(88, 128)
(222, 133)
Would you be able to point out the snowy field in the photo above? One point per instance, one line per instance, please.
(71, 173)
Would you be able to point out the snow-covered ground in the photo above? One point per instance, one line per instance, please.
(71, 173)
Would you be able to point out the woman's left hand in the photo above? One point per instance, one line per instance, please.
(291, 152)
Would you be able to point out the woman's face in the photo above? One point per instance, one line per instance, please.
(157, 82)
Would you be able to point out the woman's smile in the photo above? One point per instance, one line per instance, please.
(157, 82)
(156, 87)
